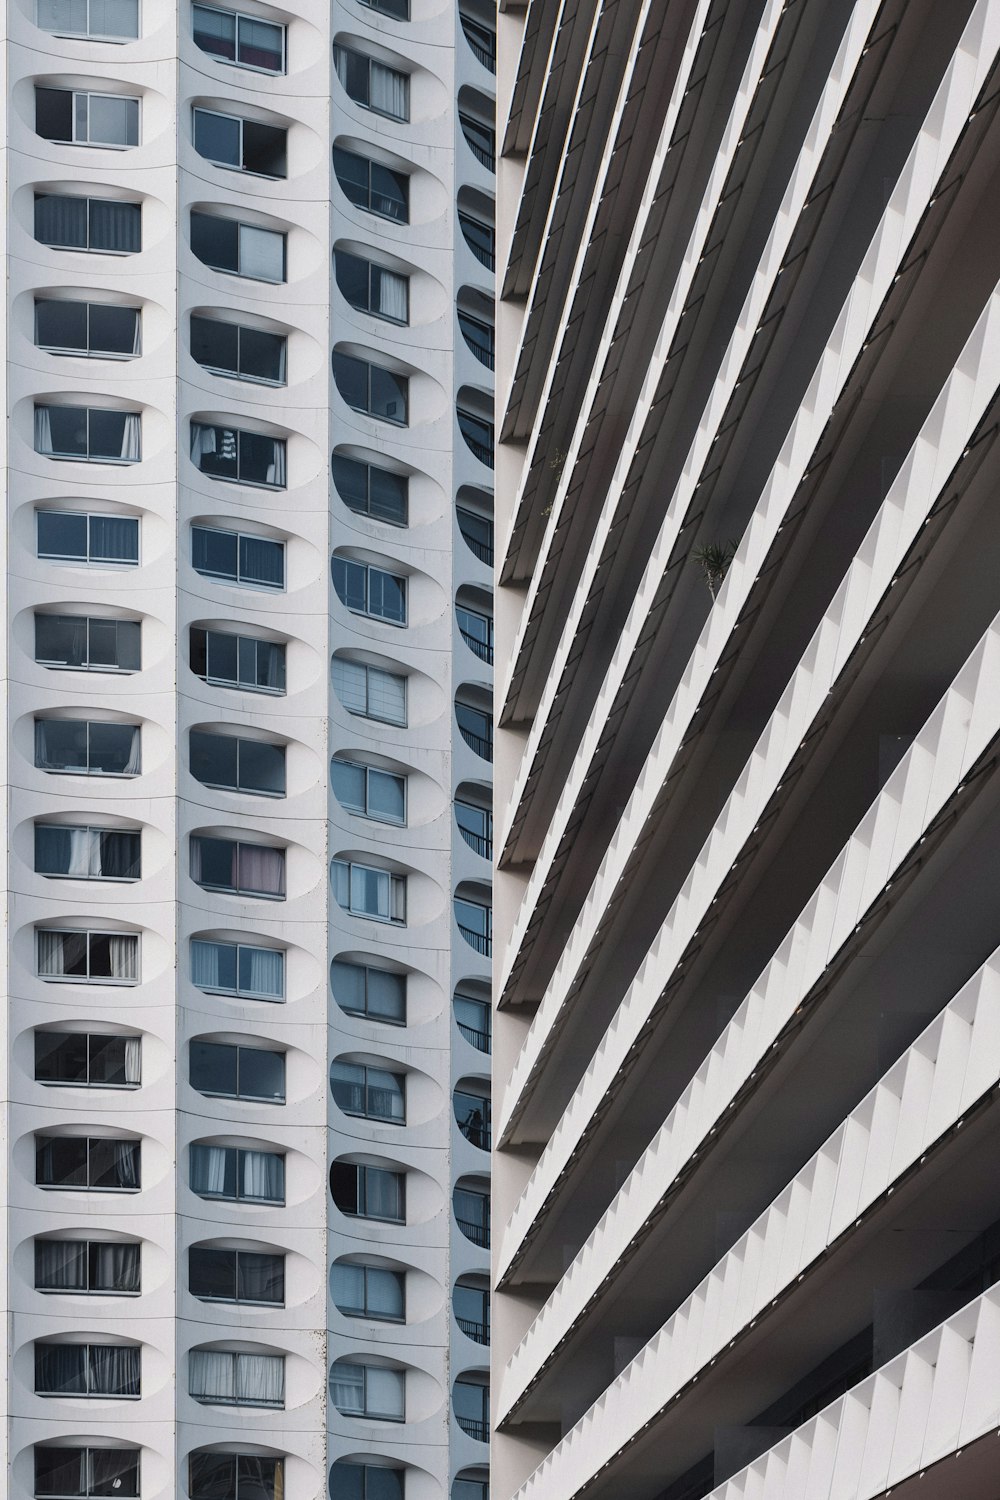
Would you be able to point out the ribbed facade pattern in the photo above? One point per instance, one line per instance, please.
(747, 1028)
(248, 667)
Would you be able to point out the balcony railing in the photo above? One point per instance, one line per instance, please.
(479, 1234)
(482, 142)
(474, 1427)
(477, 940)
(482, 42)
(481, 842)
(480, 1332)
(482, 649)
(476, 545)
(481, 1040)
(477, 742)
(482, 451)
(478, 1133)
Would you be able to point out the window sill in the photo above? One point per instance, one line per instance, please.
(240, 1098)
(82, 1291)
(245, 380)
(227, 890)
(253, 1202)
(229, 166)
(88, 458)
(92, 879)
(85, 562)
(89, 249)
(82, 771)
(89, 1395)
(234, 62)
(94, 145)
(69, 1187)
(86, 36)
(364, 1015)
(353, 1114)
(241, 687)
(367, 916)
(243, 1405)
(235, 1301)
(86, 979)
(246, 484)
(207, 989)
(67, 666)
(377, 416)
(242, 791)
(242, 276)
(69, 1083)
(242, 583)
(363, 614)
(62, 353)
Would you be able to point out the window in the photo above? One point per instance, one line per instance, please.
(475, 923)
(479, 336)
(72, 536)
(476, 630)
(361, 990)
(237, 557)
(368, 892)
(482, 39)
(86, 1369)
(473, 1116)
(223, 1379)
(97, 20)
(232, 349)
(478, 434)
(371, 388)
(92, 433)
(83, 853)
(370, 491)
(223, 760)
(89, 1163)
(471, 1400)
(97, 957)
(86, 1473)
(481, 239)
(472, 1214)
(96, 645)
(236, 1176)
(97, 328)
(385, 91)
(226, 1072)
(105, 225)
(243, 249)
(477, 729)
(82, 747)
(243, 869)
(362, 1291)
(235, 1476)
(247, 145)
(482, 139)
(76, 118)
(375, 794)
(109, 1266)
(230, 453)
(371, 186)
(355, 1481)
(369, 1093)
(367, 590)
(240, 661)
(88, 1059)
(236, 1276)
(239, 39)
(464, 1488)
(474, 1021)
(373, 289)
(471, 1301)
(476, 825)
(368, 1391)
(369, 1192)
(478, 533)
(238, 969)
(370, 692)
(398, 9)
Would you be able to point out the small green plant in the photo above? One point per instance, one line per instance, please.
(714, 559)
(558, 461)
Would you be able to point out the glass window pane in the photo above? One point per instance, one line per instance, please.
(261, 45)
(348, 1284)
(62, 534)
(261, 253)
(262, 767)
(113, 330)
(114, 226)
(386, 995)
(353, 275)
(113, 121)
(67, 430)
(107, 1061)
(264, 149)
(60, 1057)
(213, 758)
(389, 394)
(214, 1068)
(214, 552)
(61, 221)
(217, 137)
(107, 434)
(60, 324)
(212, 1273)
(215, 32)
(54, 114)
(216, 242)
(390, 193)
(262, 561)
(351, 376)
(262, 355)
(214, 345)
(351, 480)
(386, 796)
(262, 1074)
(111, 749)
(348, 782)
(114, 539)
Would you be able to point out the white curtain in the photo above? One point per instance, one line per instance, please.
(277, 469)
(370, 892)
(393, 295)
(84, 852)
(389, 91)
(51, 952)
(384, 1193)
(384, 1395)
(202, 442)
(262, 254)
(116, 1266)
(43, 430)
(132, 437)
(260, 1379)
(266, 971)
(124, 950)
(261, 869)
(212, 1375)
(347, 1388)
(134, 763)
(205, 964)
(126, 1154)
(114, 1369)
(263, 1175)
(133, 1059)
(208, 1169)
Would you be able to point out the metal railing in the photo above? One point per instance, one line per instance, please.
(481, 151)
(480, 1332)
(481, 842)
(475, 1428)
(481, 1040)
(487, 55)
(477, 742)
(477, 940)
(479, 1234)
(482, 451)
(482, 649)
(479, 1134)
(480, 549)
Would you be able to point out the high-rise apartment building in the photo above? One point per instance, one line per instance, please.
(748, 751)
(247, 694)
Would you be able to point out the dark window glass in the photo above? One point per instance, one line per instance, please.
(87, 853)
(86, 119)
(97, 20)
(243, 249)
(356, 1481)
(371, 1093)
(91, 1059)
(69, 1473)
(231, 453)
(472, 1213)
(371, 186)
(476, 630)
(362, 1291)
(477, 729)
(482, 139)
(247, 145)
(87, 1369)
(110, 1266)
(363, 991)
(240, 39)
(371, 388)
(478, 434)
(236, 1275)
(479, 336)
(238, 1072)
(243, 869)
(230, 1173)
(370, 591)
(97, 328)
(74, 537)
(223, 760)
(75, 745)
(376, 794)
(231, 349)
(480, 238)
(238, 969)
(235, 1476)
(371, 491)
(238, 558)
(398, 9)
(369, 1192)
(373, 289)
(238, 660)
(82, 1162)
(93, 644)
(88, 432)
(478, 533)
(372, 84)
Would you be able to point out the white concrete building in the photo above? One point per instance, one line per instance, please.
(747, 979)
(249, 254)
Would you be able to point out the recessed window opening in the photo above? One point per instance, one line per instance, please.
(365, 1192)
(372, 288)
(476, 727)
(242, 661)
(92, 433)
(238, 969)
(481, 138)
(222, 1071)
(241, 249)
(80, 852)
(240, 1276)
(234, 1175)
(241, 869)
(252, 354)
(86, 1473)
(365, 1291)
(351, 1480)
(235, 1476)
(238, 557)
(366, 891)
(244, 145)
(476, 630)
(100, 540)
(87, 1163)
(371, 388)
(108, 226)
(97, 329)
(95, 20)
(87, 643)
(370, 692)
(369, 590)
(109, 1370)
(235, 38)
(473, 1112)
(95, 1060)
(369, 490)
(371, 186)
(81, 747)
(478, 434)
(480, 238)
(112, 1267)
(232, 453)
(475, 1021)
(471, 1200)
(477, 530)
(369, 791)
(475, 923)
(471, 1304)
(482, 40)
(471, 1402)
(369, 1093)
(373, 85)
(219, 1378)
(476, 825)
(360, 1390)
(88, 956)
(78, 118)
(237, 765)
(364, 990)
